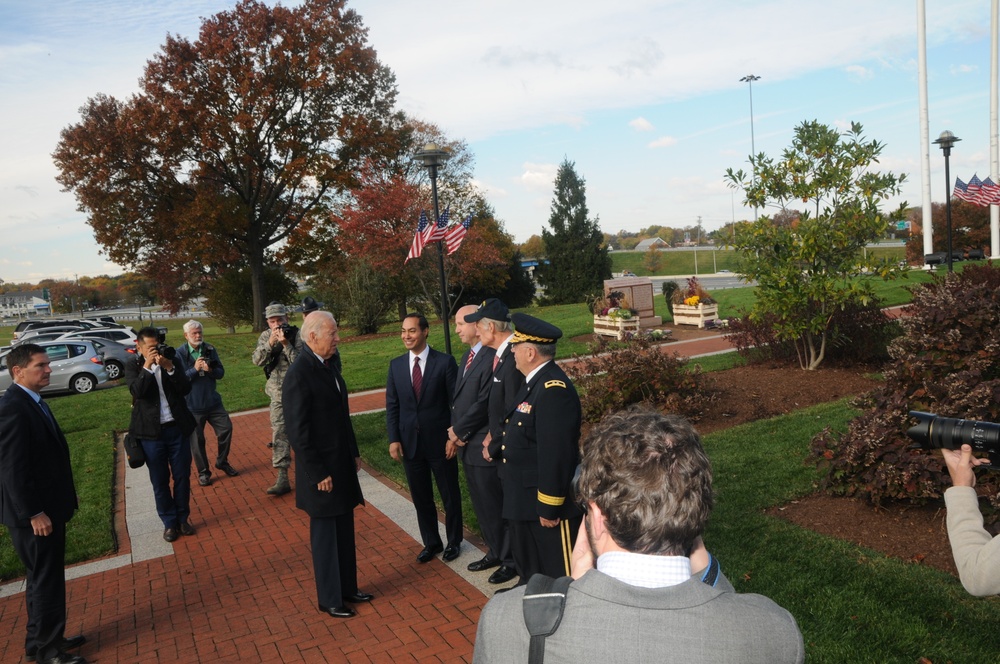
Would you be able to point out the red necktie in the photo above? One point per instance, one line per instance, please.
(418, 377)
(468, 362)
(496, 361)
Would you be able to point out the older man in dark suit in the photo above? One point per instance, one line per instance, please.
(418, 396)
(470, 421)
(318, 424)
(37, 498)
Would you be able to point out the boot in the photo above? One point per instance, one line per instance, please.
(281, 486)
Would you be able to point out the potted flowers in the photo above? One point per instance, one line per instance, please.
(613, 317)
(693, 305)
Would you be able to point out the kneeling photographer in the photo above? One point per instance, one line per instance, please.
(976, 552)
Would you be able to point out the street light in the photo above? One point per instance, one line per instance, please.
(749, 79)
(431, 157)
(946, 140)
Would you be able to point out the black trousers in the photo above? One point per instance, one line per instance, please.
(223, 427)
(335, 559)
(487, 500)
(418, 477)
(45, 594)
(541, 550)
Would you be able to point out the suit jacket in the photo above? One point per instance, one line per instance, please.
(145, 422)
(318, 425)
(507, 382)
(203, 397)
(35, 471)
(977, 553)
(420, 426)
(470, 417)
(541, 449)
(606, 620)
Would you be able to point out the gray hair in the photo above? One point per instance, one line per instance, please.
(315, 321)
(191, 324)
(499, 325)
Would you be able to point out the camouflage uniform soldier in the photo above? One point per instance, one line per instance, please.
(277, 348)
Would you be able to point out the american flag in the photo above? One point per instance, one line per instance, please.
(974, 186)
(456, 234)
(989, 194)
(417, 247)
(961, 190)
(437, 232)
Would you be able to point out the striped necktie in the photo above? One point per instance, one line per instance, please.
(418, 377)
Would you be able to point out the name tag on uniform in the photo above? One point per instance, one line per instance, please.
(524, 407)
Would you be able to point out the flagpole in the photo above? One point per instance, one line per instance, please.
(925, 145)
(431, 157)
(994, 148)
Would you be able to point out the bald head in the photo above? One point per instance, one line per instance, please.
(467, 332)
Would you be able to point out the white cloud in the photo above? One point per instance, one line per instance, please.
(641, 124)
(539, 176)
(489, 190)
(860, 73)
(663, 142)
(963, 69)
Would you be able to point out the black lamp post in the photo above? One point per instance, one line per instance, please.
(431, 157)
(749, 79)
(946, 140)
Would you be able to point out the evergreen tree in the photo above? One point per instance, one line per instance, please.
(578, 258)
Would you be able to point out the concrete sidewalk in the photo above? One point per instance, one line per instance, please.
(242, 588)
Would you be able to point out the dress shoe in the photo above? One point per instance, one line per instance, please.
(360, 596)
(170, 534)
(63, 658)
(338, 611)
(65, 644)
(187, 529)
(227, 469)
(205, 479)
(483, 564)
(428, 553)
(450, 553)
(503, 575)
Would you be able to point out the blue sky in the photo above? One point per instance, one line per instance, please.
(644, 96)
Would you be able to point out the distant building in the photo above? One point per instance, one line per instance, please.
(24, 304)
(656, 242)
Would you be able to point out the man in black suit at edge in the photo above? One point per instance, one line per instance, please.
(418, 395)
(37, 498)
(492, 320)
(318, 424)
(470, 421)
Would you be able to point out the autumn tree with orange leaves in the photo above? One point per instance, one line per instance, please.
(233, 142)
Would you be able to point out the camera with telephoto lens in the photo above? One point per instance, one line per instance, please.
(163, 349)
(289, 331)
(933, 433)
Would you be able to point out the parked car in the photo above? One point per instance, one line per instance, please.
(121, 335)
(115, 355)
(77, 366)
(36, 323)
(32, 334)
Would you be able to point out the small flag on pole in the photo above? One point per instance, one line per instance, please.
(974, 186)
(437, 232)
(456, 234)
(989, 194)
(418, 239)
(961, 190)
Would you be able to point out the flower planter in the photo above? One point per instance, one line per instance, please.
(618, 328)
(685, 314)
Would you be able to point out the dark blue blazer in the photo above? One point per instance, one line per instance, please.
(35, 471)
(470, 417)
(422, 427)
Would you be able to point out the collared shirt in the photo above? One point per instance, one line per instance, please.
(325, 363)
(194, 352)
(165, 414)
(34, 395)
(423, 355)
(645, 571)
(527, 379)
(503, 346)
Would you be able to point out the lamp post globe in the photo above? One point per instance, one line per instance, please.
(946, 140)
(431, 157)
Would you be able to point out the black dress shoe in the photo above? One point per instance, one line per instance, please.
(503, 575)
(337, 611)
(204, 480)
(187, 529)
(450, 553)
(227, 469)
(170, 534)
(428, 553)
(66, 644)
(484, 564)
(63, 658)
(359, 596)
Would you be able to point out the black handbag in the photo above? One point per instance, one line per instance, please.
(134, 453)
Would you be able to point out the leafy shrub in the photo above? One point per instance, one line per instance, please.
(669, 287)
(757, 340)
(618, 374)
(946, 362)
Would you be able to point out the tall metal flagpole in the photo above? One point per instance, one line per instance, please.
(925, 139)
(994, 142)
(749, 79)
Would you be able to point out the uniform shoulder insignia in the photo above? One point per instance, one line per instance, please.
(554, 383)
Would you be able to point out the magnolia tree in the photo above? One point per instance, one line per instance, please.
(810, 268)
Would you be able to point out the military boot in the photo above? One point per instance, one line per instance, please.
(281, 486)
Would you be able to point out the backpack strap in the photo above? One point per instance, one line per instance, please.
(543, 605)
(711, 574)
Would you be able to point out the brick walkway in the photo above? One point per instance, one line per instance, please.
(242, 589)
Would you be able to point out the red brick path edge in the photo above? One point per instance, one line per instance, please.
(242, 589)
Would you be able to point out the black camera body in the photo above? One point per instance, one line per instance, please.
(163, 349)
(289, 331)
(933, 433)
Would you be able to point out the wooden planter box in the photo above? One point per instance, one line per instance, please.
(685, 314)
(618, 328)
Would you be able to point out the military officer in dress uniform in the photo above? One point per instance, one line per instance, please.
(540, 453)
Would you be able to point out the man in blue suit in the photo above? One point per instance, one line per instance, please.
(418, 395)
